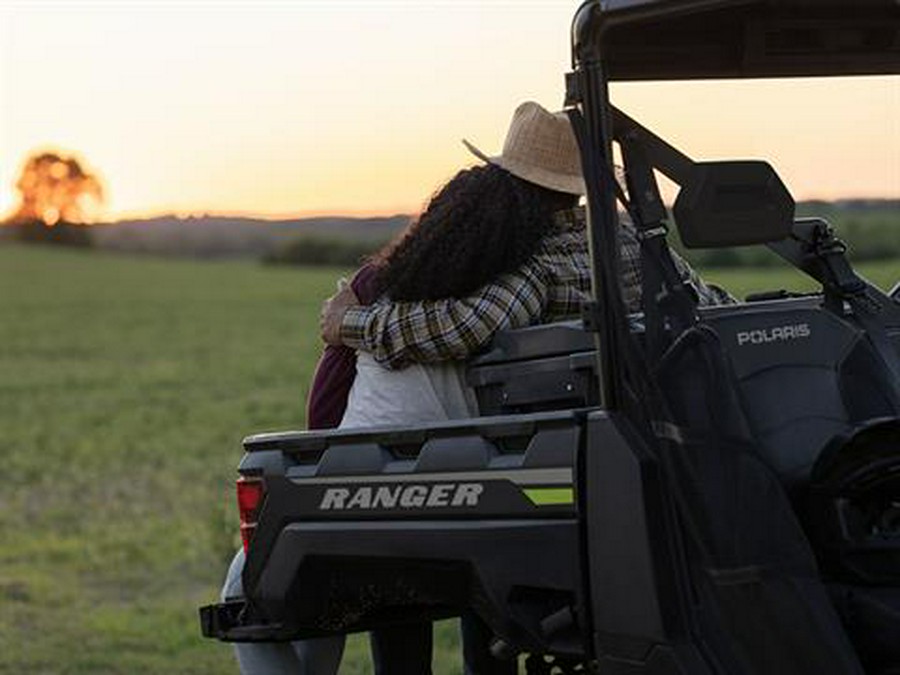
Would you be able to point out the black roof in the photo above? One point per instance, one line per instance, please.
(695, 39)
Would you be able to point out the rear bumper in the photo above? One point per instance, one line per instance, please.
(225, 621)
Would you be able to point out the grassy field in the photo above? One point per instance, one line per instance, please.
(126, 385)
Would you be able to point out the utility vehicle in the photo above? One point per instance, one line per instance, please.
(690, 491)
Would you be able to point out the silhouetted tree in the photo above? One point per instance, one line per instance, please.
(56, 189)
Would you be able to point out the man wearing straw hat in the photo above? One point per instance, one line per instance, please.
(540, 148)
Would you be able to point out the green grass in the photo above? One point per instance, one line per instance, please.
(740, 281)
(126, 385)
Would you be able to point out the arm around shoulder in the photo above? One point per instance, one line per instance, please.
(399, 333)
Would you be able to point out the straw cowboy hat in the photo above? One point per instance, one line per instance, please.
(540, 148)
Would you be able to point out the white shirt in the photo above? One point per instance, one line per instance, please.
(417, 393)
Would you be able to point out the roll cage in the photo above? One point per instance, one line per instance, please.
(635, 40)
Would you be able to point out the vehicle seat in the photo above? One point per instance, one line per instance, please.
(805, 376)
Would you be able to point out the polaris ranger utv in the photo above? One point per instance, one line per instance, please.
(689, 491)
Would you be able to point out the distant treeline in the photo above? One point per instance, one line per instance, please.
(221, 237)
(313, 250)
(35, 232)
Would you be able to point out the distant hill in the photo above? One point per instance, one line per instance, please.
(224, 236)
(871, 228)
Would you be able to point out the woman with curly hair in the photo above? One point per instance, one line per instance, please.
(483, 223)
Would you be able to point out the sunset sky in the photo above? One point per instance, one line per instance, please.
(277, 108)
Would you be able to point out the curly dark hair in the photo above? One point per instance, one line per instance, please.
(483, 223)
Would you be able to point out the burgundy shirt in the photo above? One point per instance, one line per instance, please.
(336, 369)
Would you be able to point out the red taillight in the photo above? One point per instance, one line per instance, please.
(250, 493)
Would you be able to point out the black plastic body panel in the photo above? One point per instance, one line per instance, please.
(636, 571)
(428, 568)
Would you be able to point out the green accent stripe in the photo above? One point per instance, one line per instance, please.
(550, 496)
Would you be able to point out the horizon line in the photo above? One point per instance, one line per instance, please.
(258, 215)
(365, 213)
(185, 214)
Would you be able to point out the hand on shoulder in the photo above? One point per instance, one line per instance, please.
(333, 310)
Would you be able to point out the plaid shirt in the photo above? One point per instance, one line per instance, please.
(551, 286)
